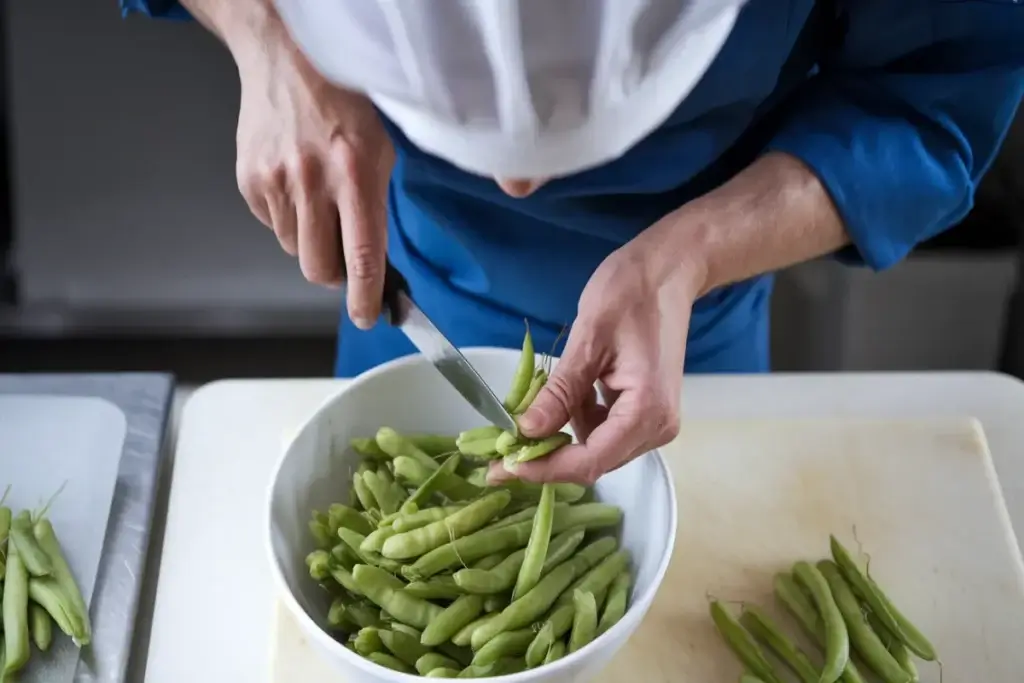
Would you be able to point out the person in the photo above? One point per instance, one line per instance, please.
(634, 168)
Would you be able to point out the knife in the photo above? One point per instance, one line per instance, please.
(401, 311)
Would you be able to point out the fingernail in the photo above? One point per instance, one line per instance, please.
(363, 323)
(530, 420)
(510, 467)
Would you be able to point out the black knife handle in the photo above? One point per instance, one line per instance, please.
(395, 285)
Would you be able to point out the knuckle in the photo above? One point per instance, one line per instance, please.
(363, 261)
(308, 170)
(657, 412)
(561, 389)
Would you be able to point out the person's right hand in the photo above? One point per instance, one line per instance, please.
(313, 165)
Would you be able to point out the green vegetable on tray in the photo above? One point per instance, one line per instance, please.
(434, 572)
(845, 613)
(37, 589)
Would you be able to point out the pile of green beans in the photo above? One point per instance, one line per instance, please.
(38, 589)
(843, 611)
(433, 572)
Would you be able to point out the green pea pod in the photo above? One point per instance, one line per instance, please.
(433, 484)
(396, 445)
(48, 593)
(374, 541)
(420, 518)
(382, 492)
(531, 450)
(340, 515)
(433, 445)
(437, 588)
(561, 548)
(15, 612)
(895, 646)
(453, 619)
(40, 626)
(837, 640)
(442, 672)
(505, 644)
(506, 443)
(464, 636)
(768, 633)
(584, 620)
(462, 523)
(537, 382)
(389, 662)
(742, 644)
(368, 640)
(380, 587)
(523, 374)
(598, 579)
(869, 592)
(319, 563)
(491, 581)
(496, 603)
(363, 494)
(479, 448)
(863, 638)
(402, 645)
(537, 547)
(451, 485)
(5, 530)
(555, 652)
(36, 561)
(618, 599)
(477, 433)
(433, 661)
(368, 448)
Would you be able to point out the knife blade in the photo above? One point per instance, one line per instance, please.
(402, 312)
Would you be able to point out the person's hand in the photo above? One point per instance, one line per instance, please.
(629, 337)
(313, 165)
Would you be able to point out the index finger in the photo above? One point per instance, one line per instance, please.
(363, 211)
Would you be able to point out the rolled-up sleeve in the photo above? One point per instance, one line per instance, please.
(162, 9)
(904, 118)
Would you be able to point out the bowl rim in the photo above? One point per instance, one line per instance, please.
(306, 622)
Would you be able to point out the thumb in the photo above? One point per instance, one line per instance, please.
(568, 388)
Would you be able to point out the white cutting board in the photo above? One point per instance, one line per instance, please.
(76, 442)
(756, 496)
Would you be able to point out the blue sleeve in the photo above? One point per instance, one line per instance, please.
(163, 9)
(902, 121)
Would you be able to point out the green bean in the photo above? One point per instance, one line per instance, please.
(343, 556)
(524, 515)
(41, 627)
(343, 577)
(462, 655)
(48, 593)
(497, 602)
(742, 644)
(462, 523)
(403, 646)
(15, 611)
(837, 641)
(537, 546)
(479, 448)
(796, 601)
(562, 548)
(433, 484)
(477, 433)
(451, 485)
(363, 493)
(523, 374)
(433, 660)
(896, 647)
(389, 662)
(537, 382)
(767, 632)
(374, 542)
(437, 588)
(442, 672)
(465, 635)
(379, 587)
(368, 448)
(584, 620)
(319, 564)
(541, 645)
(405, 628)
(363, 615)
(506, 443)
(491, 540)
(368, 640)
(420, 518)
(487, 582)
(5, 530)
(861, 635)
(555, 652)
(433, 444)
(869, 592)
(366, 466)
(531, 450)
(382, 492)
(598, 579)
(355, 543)
(453, 619)
(505, 644)
(337, 618)
(618, 599)
(35, 559)
(344, 516)
(396, 445)
(490, 561)
(320, 531)
(540, 598)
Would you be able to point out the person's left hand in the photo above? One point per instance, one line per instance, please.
(629, 337)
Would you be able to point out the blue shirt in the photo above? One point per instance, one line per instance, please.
(899, 111)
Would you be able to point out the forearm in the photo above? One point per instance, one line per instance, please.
(774, 214)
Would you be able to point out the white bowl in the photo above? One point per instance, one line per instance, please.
(411, 396)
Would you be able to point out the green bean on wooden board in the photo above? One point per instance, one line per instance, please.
(15, 612)
(768, 633)
(523, 374)
(742, 644)
(5, 529)
(40, 626)
(837, 641)
(537, 547)
(868, 591)
(799, 605)
(584, 620)
(896, 647)
(35, 559)
(863, 638)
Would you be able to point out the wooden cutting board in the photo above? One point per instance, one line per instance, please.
(921, 498)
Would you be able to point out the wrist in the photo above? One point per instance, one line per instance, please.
(246, 28)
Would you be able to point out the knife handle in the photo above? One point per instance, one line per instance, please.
(395, 285)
